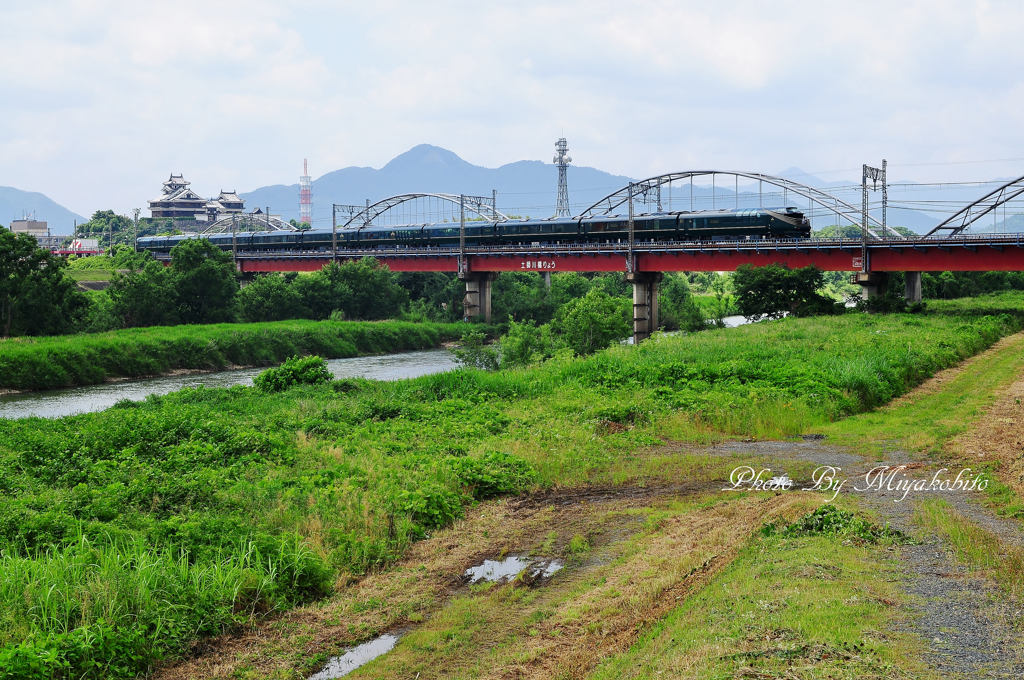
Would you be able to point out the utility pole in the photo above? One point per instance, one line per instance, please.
(136, 211)
(234, 239)
(874, 174)
(629, 246)
(462, 233)
(334, 232)
(885, 196)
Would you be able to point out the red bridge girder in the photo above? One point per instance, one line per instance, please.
(889, 258)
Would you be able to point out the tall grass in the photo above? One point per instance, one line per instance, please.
(99, 609)
(187, 514)
(45, 363)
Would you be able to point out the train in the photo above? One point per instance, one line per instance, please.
(707, 225)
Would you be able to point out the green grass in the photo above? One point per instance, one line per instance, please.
(91, 274)
(974, 546)
(931, 419)
(349, 475)
(812, 605)
(63, 361)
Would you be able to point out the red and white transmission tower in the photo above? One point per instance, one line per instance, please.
(305, 195)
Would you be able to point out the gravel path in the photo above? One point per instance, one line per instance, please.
(973, 630)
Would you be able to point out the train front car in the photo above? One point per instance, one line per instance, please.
(743, 224)
(789, 222)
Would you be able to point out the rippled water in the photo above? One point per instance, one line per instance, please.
(57, 403)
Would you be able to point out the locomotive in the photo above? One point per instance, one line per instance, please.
(708, 225)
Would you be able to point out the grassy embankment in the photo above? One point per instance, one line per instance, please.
(127, 534)
(63, 361)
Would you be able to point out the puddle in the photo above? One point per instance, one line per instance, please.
(510, 567)
(338, 666)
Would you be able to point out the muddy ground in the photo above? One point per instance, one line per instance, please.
(973, 628)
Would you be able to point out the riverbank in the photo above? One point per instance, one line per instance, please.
(204, 511)
(77, 360)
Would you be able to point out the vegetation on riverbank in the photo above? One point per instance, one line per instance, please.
(126, 534)
(63, 361)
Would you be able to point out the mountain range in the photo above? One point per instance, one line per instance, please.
(523, 188)
(528, 188)
(16, 204)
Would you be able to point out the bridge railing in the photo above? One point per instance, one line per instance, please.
(973, 240)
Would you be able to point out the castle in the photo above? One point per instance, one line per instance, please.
(178, 201)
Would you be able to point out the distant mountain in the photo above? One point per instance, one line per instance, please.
(524, 187)
(529, 188)
(15, 203)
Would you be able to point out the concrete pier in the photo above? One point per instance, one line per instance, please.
(645, 303)
(478, 294)
(912, 288)
(872, 284)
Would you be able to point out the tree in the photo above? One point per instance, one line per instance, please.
(521, 296)
(679, 311)
(437, 296)
(593, 322)
(36, 298)
(204, 282)
(269, 298)
(375, 293)
(568, 286)
(145, 295)
(774, 290)
(108, 227)
(322, 292)
(525, 343)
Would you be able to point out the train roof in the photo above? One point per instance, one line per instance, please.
(374, 228)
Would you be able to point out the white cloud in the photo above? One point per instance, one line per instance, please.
(103, 98)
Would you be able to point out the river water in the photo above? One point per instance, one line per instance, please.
(57, 403)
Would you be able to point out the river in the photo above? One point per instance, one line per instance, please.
(57, 403)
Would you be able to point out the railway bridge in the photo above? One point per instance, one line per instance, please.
(879, 251)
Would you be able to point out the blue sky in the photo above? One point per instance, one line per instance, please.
(101, 99)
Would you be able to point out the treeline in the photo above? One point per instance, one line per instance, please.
(201, 286)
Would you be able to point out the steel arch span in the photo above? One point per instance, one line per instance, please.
(478, 205)
(822, 198)
(247, 222)
(983, 206)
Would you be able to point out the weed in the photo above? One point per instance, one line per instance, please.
(829, 520)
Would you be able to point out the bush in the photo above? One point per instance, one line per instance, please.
(772, 291)
(295, 371)
(474, 351)
(593, 322)
(268, 298)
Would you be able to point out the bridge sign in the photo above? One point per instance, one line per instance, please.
(858, 263)
(536, 265)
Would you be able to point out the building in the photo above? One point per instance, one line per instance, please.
(31, 227)
(228, 203)
(177, 200)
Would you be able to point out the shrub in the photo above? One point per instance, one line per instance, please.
(474, 351)
(296, 371)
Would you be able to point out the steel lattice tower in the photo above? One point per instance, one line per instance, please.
(562, 160)
(305, 195)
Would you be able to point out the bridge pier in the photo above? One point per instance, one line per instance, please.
(872, 284)
(645, 303)
(912, 288)
(478, 294)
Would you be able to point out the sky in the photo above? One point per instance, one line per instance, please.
(101, 99)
